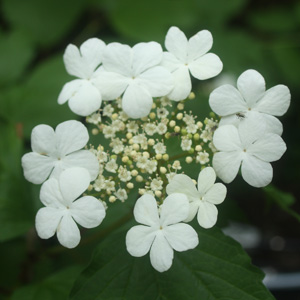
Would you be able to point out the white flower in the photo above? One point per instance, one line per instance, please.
(186, 56)
(108, 110)
(132, 126)
(84, 97)
(151, 166)
(161, 128)
(61, 208)
(156, 184)
(111, 166)
(121, 194)
(123, 174)
(186, 144)
(142, 162)
(251, 146)
(55, 151)
(134, 72)
(117, 145)
(94, 119)
(162, 112)
(109, 132)
(202, 158)
(150, 128)
(161, 230)
(160, 148)
(203, 200)
(251, 98)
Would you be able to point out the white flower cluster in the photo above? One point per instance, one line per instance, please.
(249, 133)
(142, 80)
(136, 74)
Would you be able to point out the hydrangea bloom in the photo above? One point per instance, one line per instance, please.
(84, 98)
(61, 208)
(161, 230)
(134, 72)
(55, 151)
(186, 56)
(251, 98)
(203, 200)
(250, 146)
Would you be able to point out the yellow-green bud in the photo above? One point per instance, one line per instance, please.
(158, 156)
(176, 128)
(114, 116)
(114, 156)
(125, 159)
(183, 131)
(152, 115)
(95, 131)
(192, 96)
(196, 137)
(165, 157)
(192, 150)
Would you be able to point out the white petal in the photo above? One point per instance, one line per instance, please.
(205, 67)
(36, 167)
(118, 58)
(182, 84)
(177, 43)
(68, 233)
(145, 211)
(256, 172)
(69, 90)
(207, 214)
(226, 138)
(226, 165)
(92, 52)
(193, 209)
(230, 120)
(174, 209)
(227, 100)
(112, 85)
(252, 86)
(161, 253)
(43, 139)
(206, 180)
(136, 101)
(47, 221)
(170, 62)
(86, 100)
(84, 159)
(199, 44)
(216, 194)
(50, 194)
(88, 211)
(273, 124)
(145, 56)
(71, 136)
(182, 183)
(181, 237)
(83, 64)
(268, 148)
(139, 240)
(73, 182)
(275, 101)
(251, 128)
(157, 80)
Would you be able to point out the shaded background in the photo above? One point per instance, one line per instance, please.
(261, 35)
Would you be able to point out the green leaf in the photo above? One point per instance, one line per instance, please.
(217, 269)
(282, 199)
(45, 22)
(16, 215)
(16, 52)
(35, 102)
(56, 287)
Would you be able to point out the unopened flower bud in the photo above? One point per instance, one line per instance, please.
(151, 142)
(134, 173)
(136, 147)
(95, 131)
(198, 148)
(192, 96)
(196, 137)
(158, 156)
(139, 178)
(172, 123)
(180, 106)
(179, 116)
(130, 185)
(157, 193)
(188, 159)
(125, 159)
(177, 129)
(112, 199)
(165, 157)
(129, 135)
(163, 170)
(152, 115)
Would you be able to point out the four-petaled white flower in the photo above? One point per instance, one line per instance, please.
(134, 72)
(55, 151)
(161, 230)
(84, 97)
(203, 200)
(251, 98)
(61, 208)
(250, 146)
(186, 56)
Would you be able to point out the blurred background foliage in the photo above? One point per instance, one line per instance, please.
(259, 34)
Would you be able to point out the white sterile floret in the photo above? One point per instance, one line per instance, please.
(135, 73)
(55, 151)
(189, 56)
(84, 97)
(250, 146)
(62, 210)
(161, 232)
(251, 98)
(202, 200)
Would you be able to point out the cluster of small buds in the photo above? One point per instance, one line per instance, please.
(141, 151)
